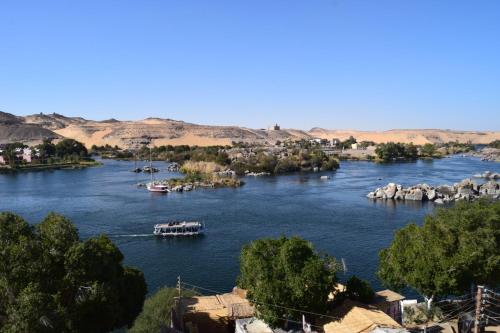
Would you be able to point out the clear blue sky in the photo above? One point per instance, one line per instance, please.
(371, 64)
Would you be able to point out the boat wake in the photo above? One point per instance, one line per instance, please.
(133, 235)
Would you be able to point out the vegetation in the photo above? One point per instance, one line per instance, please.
(289, 272)
(455, 147)
(70, 149)
(67, 152)
(51, 281)
(156, 312)
(494, 144)
(396, 151)
(359, 290)
(303, 159)
(429, 150)
(347, 144)
(455, 247)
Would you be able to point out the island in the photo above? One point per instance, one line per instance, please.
(67, 153)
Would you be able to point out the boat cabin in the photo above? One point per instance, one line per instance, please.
(179, 228)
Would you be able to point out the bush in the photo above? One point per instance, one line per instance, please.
(359, 290)
(156, 311)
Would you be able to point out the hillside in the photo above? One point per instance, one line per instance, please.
(13, 128)
(130, 134)
(419, 136)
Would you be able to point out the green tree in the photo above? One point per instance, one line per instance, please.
(50, 280)
(69, 147)
(47, 149)
(428, 150)
(359, 290)
(454, 248)
(156, 311)
(287, 272)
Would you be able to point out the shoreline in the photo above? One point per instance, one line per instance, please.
(55, 166)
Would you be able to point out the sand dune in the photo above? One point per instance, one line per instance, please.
(131, 134)
(416, 136)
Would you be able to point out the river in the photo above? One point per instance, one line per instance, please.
(333, 214)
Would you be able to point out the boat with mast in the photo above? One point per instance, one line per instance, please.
(152, 186)
(136, 169)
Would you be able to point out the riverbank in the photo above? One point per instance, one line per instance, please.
(467, 190)
(53, 166)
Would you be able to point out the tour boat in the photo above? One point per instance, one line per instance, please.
(179, 228)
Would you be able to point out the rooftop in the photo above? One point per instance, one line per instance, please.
(387, 296)
(360, 318)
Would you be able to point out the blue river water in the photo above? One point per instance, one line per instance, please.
(334, 214)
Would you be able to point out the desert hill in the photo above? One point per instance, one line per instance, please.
(418, 136)
(13, 128)
(158, 131)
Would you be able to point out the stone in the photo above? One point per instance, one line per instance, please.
(416, 195)
(431, 194)
(390, 191)
(439, 201)
(400, 195)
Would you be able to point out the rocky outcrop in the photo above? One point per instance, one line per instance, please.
(488, 175)
(467, 189)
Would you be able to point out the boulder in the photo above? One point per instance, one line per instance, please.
(390, 191)
(379, 194)
(400, 195)
(431, 194)
(446, 190)
(415, 194)
(439, 201)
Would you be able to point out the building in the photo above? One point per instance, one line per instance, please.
(276, 127)
(356, 317)
(335, 142)
(251, 325)
(354, 146)
(27, 155)
(391, 303)
(211, 314)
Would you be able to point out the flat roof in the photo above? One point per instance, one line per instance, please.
(387, 296)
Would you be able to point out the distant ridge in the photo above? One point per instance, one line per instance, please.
(158, 131)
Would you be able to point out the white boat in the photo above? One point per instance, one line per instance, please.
(152, 187)
(179, 228)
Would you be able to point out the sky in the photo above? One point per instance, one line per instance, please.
(338, 64)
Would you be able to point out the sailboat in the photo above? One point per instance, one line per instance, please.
(136, 169)
(151, 186)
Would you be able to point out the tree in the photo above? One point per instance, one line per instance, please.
(52, 281)
(156, 311)
(47, 149)
(454, 248)
(287, 272)
(359, 290)
(428, 150)
(70, 147)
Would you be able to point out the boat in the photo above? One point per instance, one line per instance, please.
(136, 168)
(179, 228)
(152, 186)
(149, 169)
(160, 188)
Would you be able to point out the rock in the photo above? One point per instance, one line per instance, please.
(431, 194)
(400, 195)
(439, 201)
(415, 194)
(390, 191)
(446, 190)
(464, 191)
(371, 195)
(379, 193)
